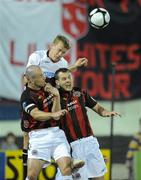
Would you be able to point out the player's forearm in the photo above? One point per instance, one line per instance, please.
(72, 68)
(56, 104)
(103, 112)
(80, 62)
(41, 116)
(100, 110)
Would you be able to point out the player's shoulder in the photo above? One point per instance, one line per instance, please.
(40, 53)
(77, 90)
(82, 90)
(25, 93)
(64, 61)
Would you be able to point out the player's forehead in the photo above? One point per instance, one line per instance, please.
(60, 45)
(64, 74)
(38, 72)
(33, 70)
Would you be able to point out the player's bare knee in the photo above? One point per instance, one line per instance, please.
(64, 165)
(66, 170)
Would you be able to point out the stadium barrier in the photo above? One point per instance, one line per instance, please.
(12, 167)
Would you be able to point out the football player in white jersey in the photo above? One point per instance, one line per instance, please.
(52, 59)
(49, 61)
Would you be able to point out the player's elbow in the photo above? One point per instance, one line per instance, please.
(56, 118)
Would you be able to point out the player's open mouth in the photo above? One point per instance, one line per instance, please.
(57, 58)
(68, 85)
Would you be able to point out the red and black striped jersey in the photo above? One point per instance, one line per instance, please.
(31, 99)
(51, 81)
(76, 123)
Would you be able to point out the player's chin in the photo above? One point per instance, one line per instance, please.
(55, 60)
(68, 88)
(42, 84)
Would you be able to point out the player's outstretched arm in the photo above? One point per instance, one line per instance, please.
(104, 112)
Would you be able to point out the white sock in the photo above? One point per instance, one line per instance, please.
(67, 177)
(26, 178)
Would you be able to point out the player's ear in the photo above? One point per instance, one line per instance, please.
(57, 84)
(50, 46)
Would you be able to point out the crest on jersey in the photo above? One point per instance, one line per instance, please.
(26, 123)
(77, 93)
(74, 19)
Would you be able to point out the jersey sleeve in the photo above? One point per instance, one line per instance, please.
(27, 104)
(33, 59)
(89, 101)
(65, 63)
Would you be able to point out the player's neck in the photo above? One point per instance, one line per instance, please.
(49, 56)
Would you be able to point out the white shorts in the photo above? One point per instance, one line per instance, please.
(87, 149)
(48, 143)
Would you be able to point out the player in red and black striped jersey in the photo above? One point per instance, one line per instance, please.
(30, 100)
(77, 127)
(40, 110)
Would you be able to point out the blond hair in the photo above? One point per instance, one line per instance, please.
(64, 40)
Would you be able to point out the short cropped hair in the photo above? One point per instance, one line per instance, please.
(64, 70)
(64, 40)
(30, 71)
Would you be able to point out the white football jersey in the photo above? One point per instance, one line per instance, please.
(48, 67)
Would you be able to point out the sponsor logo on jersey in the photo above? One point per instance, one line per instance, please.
(49, 74)
(26, 124)
(48, 100)
(72, 105)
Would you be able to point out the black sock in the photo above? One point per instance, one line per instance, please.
(25, 154)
